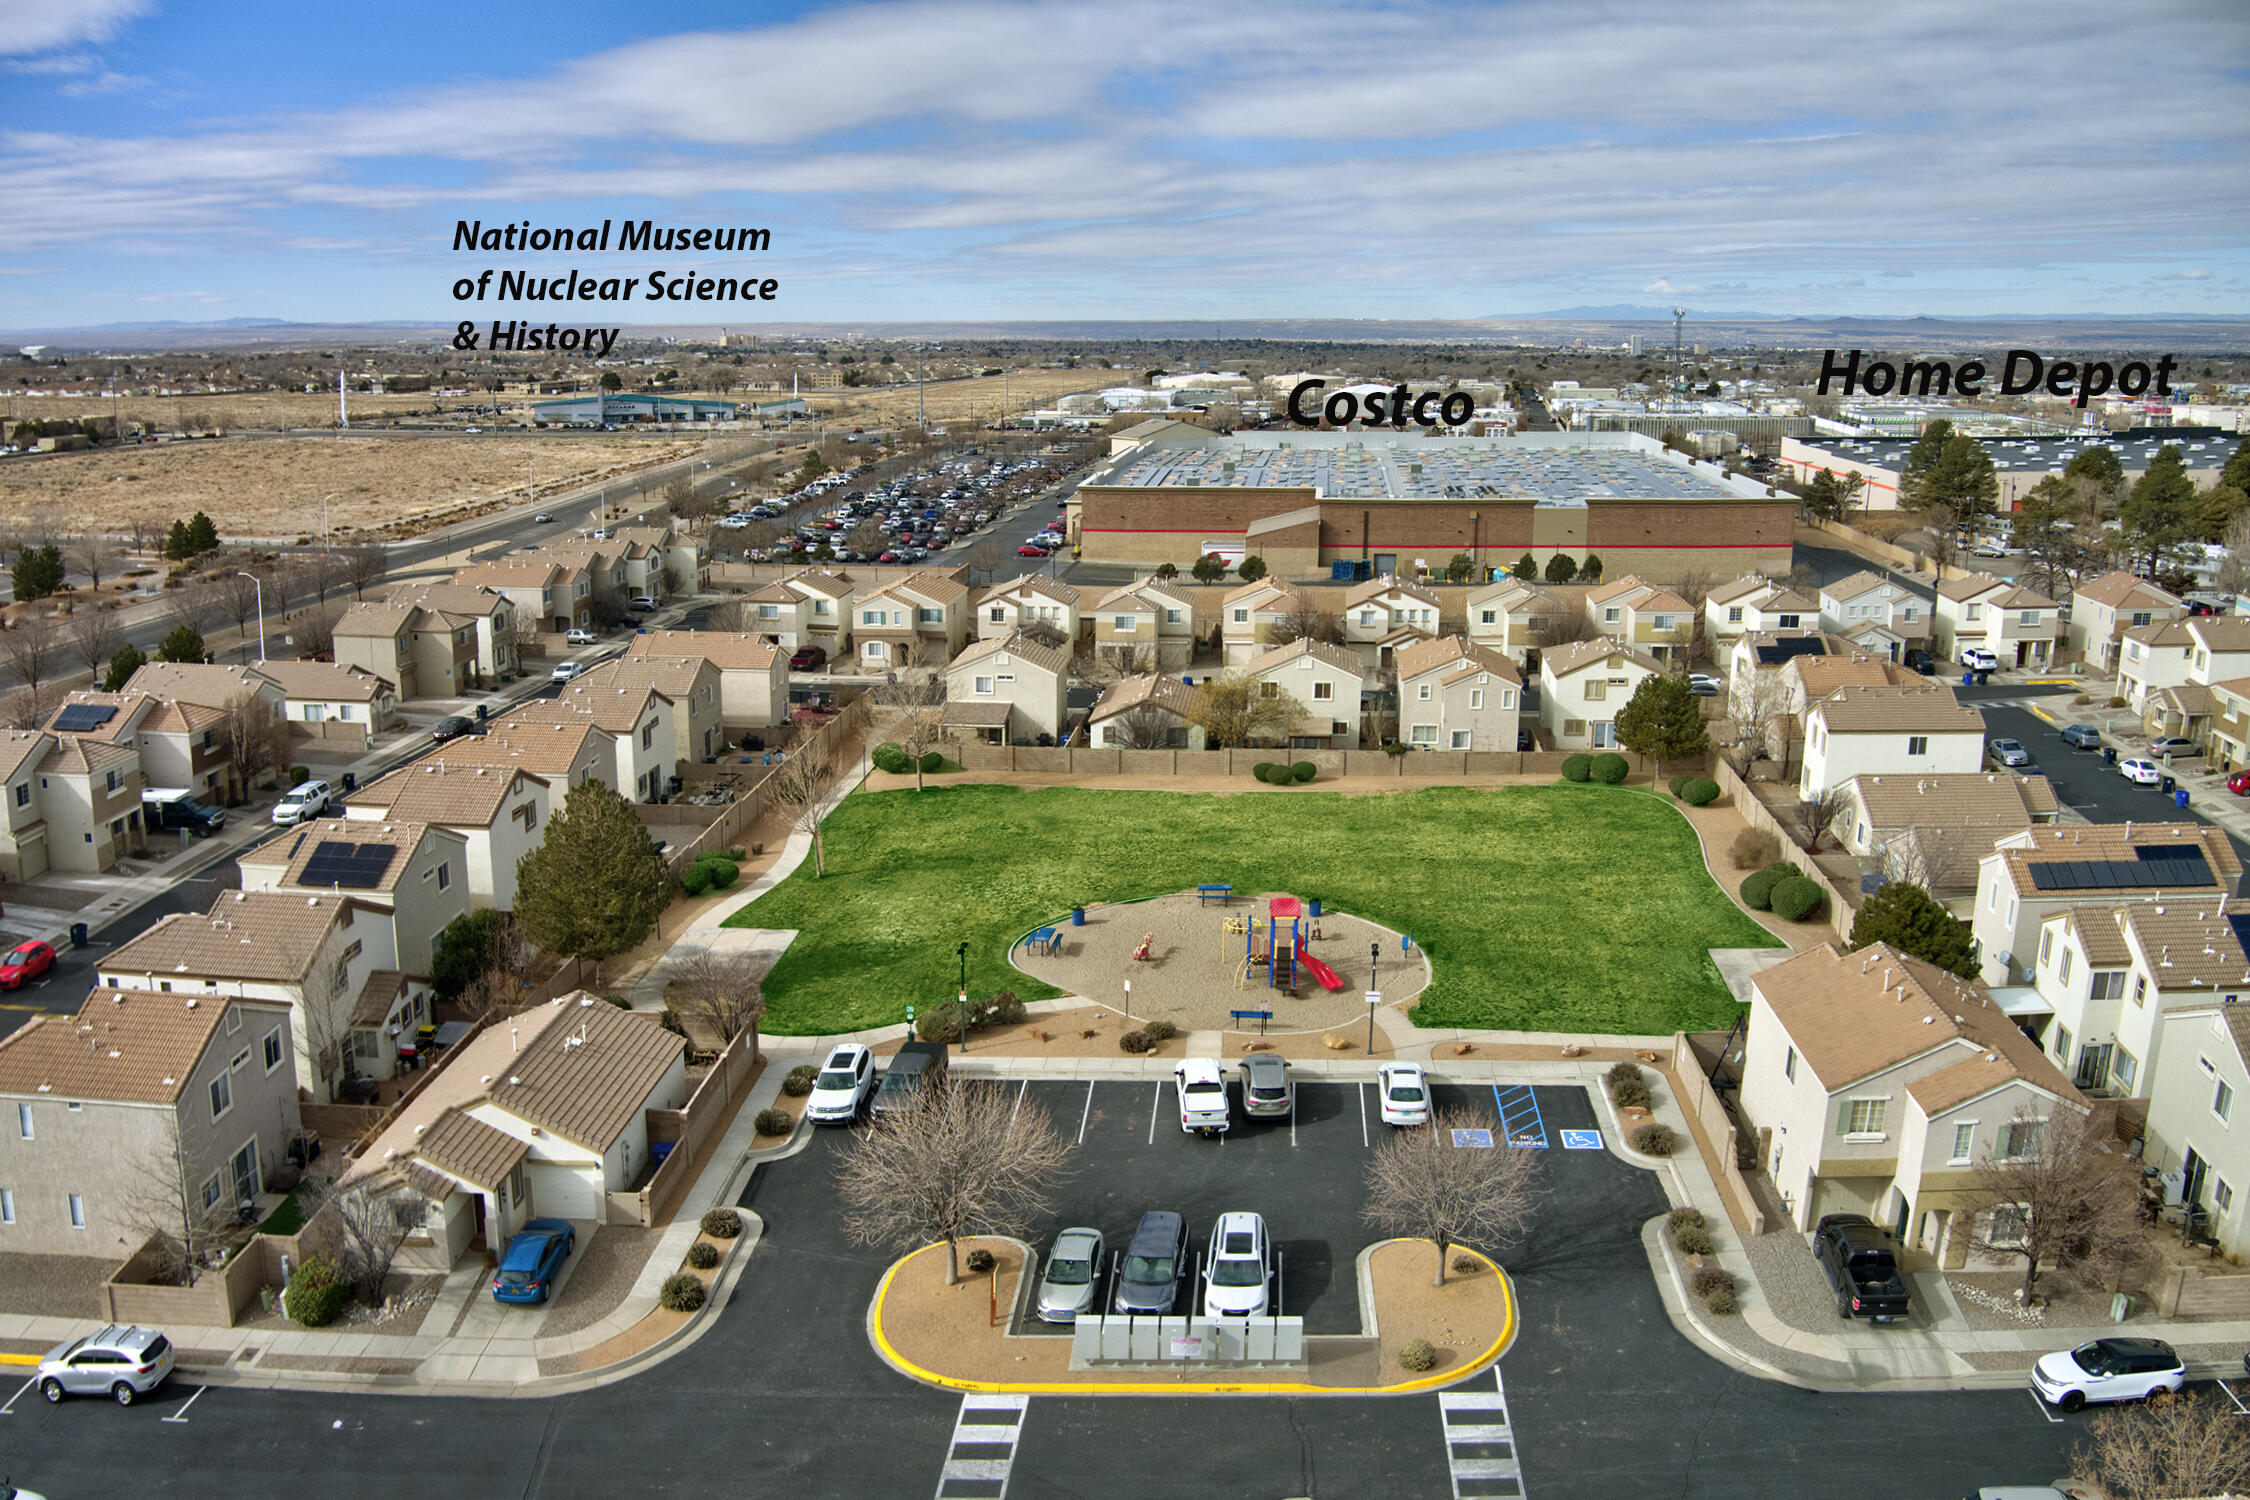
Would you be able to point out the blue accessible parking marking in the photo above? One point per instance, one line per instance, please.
(1480, 1138)
(1519, 1116)
(1582, 1140)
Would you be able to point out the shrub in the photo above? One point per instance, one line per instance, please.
(1619, 1072)
(1757, 890)
(1161, 1031)
(1677, 782)
(1723, 1301)
(1394, 749)
(1135, 1042)
(299, 775)
(1653, 1139)
(1630, 1093)
(2082, 700)
(721, 1223)
(1798, 898)
(1692, 1239)
(1710, 1280)
(775, 1122)
(317, 1293)
(1754, 848)
(1700, 793)
(717, 870)
(681, 1293)
(1679, 1216)
(1611, 769)
(940, 1023)
(1417, 1355)
(932, 761)
(800, 1080)
(1265, 769)
(979, 1261)
(1304, 770)
(891, 758)
(703, 1255)
(1466, 1265)
(619, 1001)
(696, 879)
(1002, 1008)
(1579, 767)
(2117, 703)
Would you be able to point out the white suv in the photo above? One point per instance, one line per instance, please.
(1405, 1094)
(121, 1363)
(1202, 1091)
(305, 800)
(1239, 1272)
(841, 1087)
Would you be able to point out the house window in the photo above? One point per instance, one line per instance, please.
(2021, 1138)
(984, 687)
(273, 1049)
(1367, 617)
(1603, 735)
(871, 617)
(1609, 616)
(444, 875)
(1242, 617)
(2027, 617)
(1992, 898)
(1476, 699)
(1596, 690)
(1423, 734)
(77, 1212)
(648, 734)
(2140, 988)
(315, 712)
(1661, 622)
(998, 614)
(2222, 1195)
(1269, 689)
(2140, 617)
(1460, 739)
(222, 1096)
(1422, 692)
(213, 1190)
(1964, 1142)
(2008, 1224)
(1864, 1116)
(1124, 623)
(1976, 612)
(1789, 622)
(1909, 614)
(2109, 984)
(23, 1122)
(2222, 1100)
(1323, 692)
(1171, 617)
(1488, 617)
(1573, 726)
(1734, 615)
(1789, 1064)
(769, 611)
(1917, 744)
(23, 794)
(2123, 1067)
(2062, 1042)
(2062, 970)
(929, 617)
(7, 1206)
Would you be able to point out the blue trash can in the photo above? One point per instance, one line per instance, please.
(1312, 907)
(1968, 679)
(2179, 797)
(1078, 916)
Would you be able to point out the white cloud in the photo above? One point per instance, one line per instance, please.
(28, 26)
(107, 83)
(2185, 276)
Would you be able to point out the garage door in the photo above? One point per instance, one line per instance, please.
(559, 1192)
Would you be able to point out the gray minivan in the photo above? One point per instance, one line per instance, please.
(1156, 1262)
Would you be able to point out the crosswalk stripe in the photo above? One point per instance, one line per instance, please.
(975, 1427)
(1478, 1420)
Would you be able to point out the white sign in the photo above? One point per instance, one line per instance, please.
(1374, 997)
(1190, 1348)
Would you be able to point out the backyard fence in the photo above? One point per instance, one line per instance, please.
(216, 1299)
(1842, 907)
(1717, 1137)
(737, 817)
(692, 1132)
(1423, 765)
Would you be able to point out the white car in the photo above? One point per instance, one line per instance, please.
(580, 636)
(1238, 1274)
(305, 800)
(1202, 1091)
(645, 602)
(566, 671)
(2146, 772)
(2108, 1370)
(1405, 1094)
(120, 1363)
(1977, 659)
(841, 1087)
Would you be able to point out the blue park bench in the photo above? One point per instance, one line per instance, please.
(1225, 893)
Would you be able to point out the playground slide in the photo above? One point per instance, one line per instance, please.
(1324, 976)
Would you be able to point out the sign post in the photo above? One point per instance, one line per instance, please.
(1374, 999)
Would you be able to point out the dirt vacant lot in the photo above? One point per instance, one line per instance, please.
(956, 400)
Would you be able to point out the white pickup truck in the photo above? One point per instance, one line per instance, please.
(1202, 1091)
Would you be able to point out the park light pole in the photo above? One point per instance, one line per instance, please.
(1374, 992)
(963, 953)
(260, 596)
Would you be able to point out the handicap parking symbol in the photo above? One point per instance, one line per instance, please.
(1478, 1138)
(1582, 1140)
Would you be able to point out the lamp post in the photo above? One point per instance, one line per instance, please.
(260, 596)
(1374, 992)
(963, 953)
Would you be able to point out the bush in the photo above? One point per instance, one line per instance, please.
(717, 870)
(1652, 1139)
(1630, 1093)
(940, 1023)
(1754, 848)
(1394, 749)
(1700, 793)
(721, 1223)
(800, 1080)
(1692, 1239)
(695, 880)
(1135, 1042)
(1711, 1280)
(1723, 1301)
(1619, 1072)
(1304, 771)
(1466, 1265)
(1757, 890)
(317, 1293)
(1417, 1355)
(979, 1261)
(1679, 1216)
(1676, 783)
(775, 1122)
(1611, 769)
(1002, 1008)
(703, 1255)
(681, 1293)
(932, 761)
(1262, 771)
(1798, 898)
(298, 775)
(1579, 767)
(891, 758)
(1161, 1031)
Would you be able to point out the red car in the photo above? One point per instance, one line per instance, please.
(1027, 550)
(29, 961)
(2239, 783)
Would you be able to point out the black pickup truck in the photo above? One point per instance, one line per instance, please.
(1857, 1257)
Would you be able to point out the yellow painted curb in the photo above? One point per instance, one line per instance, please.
(2051, 681)
(2050, 718)
(1187, 1388)
(20, 1359)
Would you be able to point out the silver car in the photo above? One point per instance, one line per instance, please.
(121, 1363)
(1266, 1086)
(1074, 1267)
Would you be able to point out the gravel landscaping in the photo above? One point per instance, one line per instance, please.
(53, 1286)
(606, 1271)
(1795, 1287)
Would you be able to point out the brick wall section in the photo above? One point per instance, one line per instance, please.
(1715, 1135)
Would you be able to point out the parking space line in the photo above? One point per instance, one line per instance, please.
(1155, 1102)
(9, 1409)
(1363, 1140)
(181, 1414)
(1021, 1089)
(1086, 1113)
(2041, 1402)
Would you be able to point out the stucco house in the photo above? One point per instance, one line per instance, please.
(1583, 685)
(1033, 599)
(2103, 609)
(2018, 625)
(1326, 682)
(1888, 731)
(1007, 691)
(415, 871)
(1514, 618)
(1149, 712)
(1146, 627)
(549, 594)
(2202, 1161)
(1250, 615)
(919, 620)
(2018, 888)
(1868, 607)
(1383, 616)
(1933, 829)
(753, 672)
(1456, 695)
(1726, 610)
(1646, 616)
(690, 684)
(499, 815)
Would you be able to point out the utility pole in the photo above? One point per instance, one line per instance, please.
(343, 418)
(1679, 387)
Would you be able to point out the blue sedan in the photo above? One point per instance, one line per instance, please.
(535, 1256)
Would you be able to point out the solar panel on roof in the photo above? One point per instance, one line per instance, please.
(80, 717)
(2122, 874)
(338, 862)
(2167, 851)
(1776, 652)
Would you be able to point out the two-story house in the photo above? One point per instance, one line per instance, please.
(2201, 1160)
(330, 701)
(1326, 682)
(1514, 618)
(634, 727)
(548, 595)
(89, 795)
(23, 822)
(499, 815)
(661, 562)
(193, 1089)
(1651, 619)
(1876, 1083)
(563, 752)
(918, 620)
(1251, 614)
(206, 684)
(487, 614)
(1780, 609)
(2018, 625)
(2103, 609)
(753, 672)
(1033, 599)
(1007, 691)
(1383, 616)
(1145, 627)
(2210, 649)
(428, 653)
(183, 746)
(1934, 829)
(1869, 609)
(2029, 876)
(1456, 695)
(1148, 712)
(691, 684)
(1726, 610)
(417, 872)
(2151, 658)
(1888, 731)
(1581, 688)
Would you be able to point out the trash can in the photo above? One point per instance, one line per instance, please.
(1968, 679)
(2109, 755)
(78, 934)
(1312, 907)
(2167, 783)
(1078, 916)
(2179, 798)
(481, 710)
(351, 781)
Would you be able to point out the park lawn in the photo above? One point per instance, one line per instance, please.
(1548, 908)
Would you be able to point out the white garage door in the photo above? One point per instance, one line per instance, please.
(560, 1192)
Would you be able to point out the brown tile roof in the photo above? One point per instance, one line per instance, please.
(478, 1154)
(1993, 802)
(447, 795)
(1970, 586)
(1166, 693)
(377, 997)
(2192, 699)
(301, 846)
(465, 600)
(134, 1046)
(1851, 1015)
(1281, 656)
(2113, 841)
(2100, 933)
(525, 574)
(2220, 633)
(382, 621)
(1579, 655)
(20, 748)
(726, 650)
(1017, 645)
(2121, 589)
(1789, 599)
(976, 714)
(1142, 596)
(617, 708)
(1751, 583)
(2161, 633)
(676, 677)
(2020, 597)
(1031, 583)
(2236, 1019)
(76, 756)
(269, 935)
(190, 682)
(1285, 599)
(815, 581)
(1519, 594)
(1855, 585)
(1822, 675)
(1616, 588)
(138, 713)
(1875, 710)
(930, 588)
(587, 1092)
(550, 749)
(1450, 651)
(1377, 588)
(2188, 942)
(325, 681)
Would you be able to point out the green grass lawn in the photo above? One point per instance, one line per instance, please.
(1549, 908)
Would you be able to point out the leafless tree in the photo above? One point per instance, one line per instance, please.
(163, 1198)
(1235, 710)
(1099, 666)
(93, 636)
(719, 990)
(800, 790)
(1816, 815)
(1307, 624)
(32, 644)
(1144, 728)
(1555, 628)
(324, 1012)
(917, 720)
(988, 556)
(363, 565)
(965, 1159)
(240, 595)
(314, 631)
(147, 531)
(1420, 1183)
(1046, 633)
(1941, 861)
(866, 539)
(1757, 700)
(317, 573)
(193, 604)
(2052, 1193)
(27, 708)
(254, 737)
(92, 554)
(2180, 1444)
(503, 983)
(369, 1220)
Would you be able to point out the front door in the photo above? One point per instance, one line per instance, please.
(2192, 1173)
(245, 1166)
(2093, 1066)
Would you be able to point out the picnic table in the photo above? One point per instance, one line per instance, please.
(1046, 940)
(1204, 893)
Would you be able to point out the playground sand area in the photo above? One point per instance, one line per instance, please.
(1193, 974)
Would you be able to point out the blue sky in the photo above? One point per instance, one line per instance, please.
(933, 159)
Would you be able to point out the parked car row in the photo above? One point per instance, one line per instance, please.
(917, 514)
(848, 1086)
(1236, 1270)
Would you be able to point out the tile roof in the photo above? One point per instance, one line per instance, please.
(1857, 584)
(478, 1154)
(1579, 655)
(2192, 699)
(269, 935)
(192, 682)
(1749, 583)
(2236, 1019)
(384, 621)
(132, 1046)
(930, 588)
(2100, 932)
(2220, 633)
(2112, 841)
(1284, 599)
(1996, 801)
(2161, 633)
(377, 997)
(138, 713)
(614, 707)
(550, 749)
(676, 677)
(1017, 645)
(971, 714)
(20, 748)
(1143, 593)
(452, 598)
(510, 574)
(1970, 586)
(729, 651)
(2020, 597)
(297, 849)
(1377, 588)
(1451, 651)
(2188, 942)
(1822, 675)
(447, 795)
(1031, 583)
(2120, 589)
(1852, 1015)
(1518, 593)
(473, 1067)
(1616, 588)
(1281, 656)
(1167, 694)
(74, 755)
(814, 580)
(1784, 600)
(588, 1091)
(1931, 708)
(325, 681)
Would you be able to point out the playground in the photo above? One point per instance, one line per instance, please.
(1208, 956)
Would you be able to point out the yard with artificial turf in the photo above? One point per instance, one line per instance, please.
(1541, 908)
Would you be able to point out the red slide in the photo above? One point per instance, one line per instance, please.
(1324, 976)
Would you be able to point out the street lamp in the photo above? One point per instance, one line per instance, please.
(1374, 992)
(963, 953)
(261, 598)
